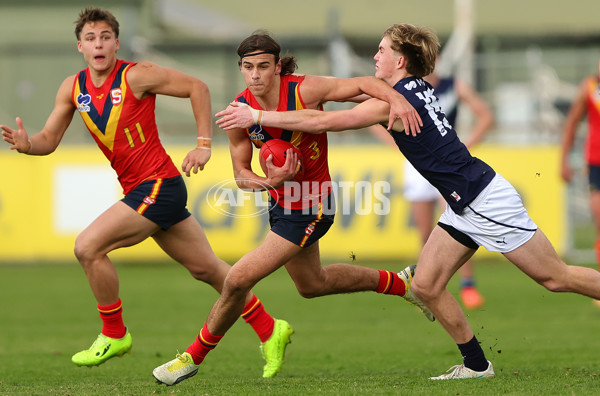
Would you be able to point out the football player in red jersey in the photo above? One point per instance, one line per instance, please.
(116, 101)
(298, 220)
(586, 103)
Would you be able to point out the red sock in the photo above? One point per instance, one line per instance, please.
(390, 283)
(204, 343)
(255, 315)
(112, 320)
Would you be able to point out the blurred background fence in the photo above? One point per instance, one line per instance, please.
(525, 58)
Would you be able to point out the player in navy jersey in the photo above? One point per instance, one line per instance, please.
(482, 209)
(424, 198)
(451, 93)
(116, 101)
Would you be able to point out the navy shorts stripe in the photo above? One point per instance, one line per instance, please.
(301, 227)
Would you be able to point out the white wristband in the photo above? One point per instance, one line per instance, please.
(256, 115)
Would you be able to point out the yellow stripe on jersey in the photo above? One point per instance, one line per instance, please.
(107, 137)
(296, 135)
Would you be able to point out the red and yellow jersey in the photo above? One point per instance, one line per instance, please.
(316, 184)
(592, 145)
(123, 126)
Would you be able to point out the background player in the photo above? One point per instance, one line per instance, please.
(587, 101)
(116, 101)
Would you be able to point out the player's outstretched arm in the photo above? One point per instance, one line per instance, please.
(316, 89)
(46, 141)
(373, 111)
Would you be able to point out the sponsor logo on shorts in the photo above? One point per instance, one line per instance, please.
(149, 200)
(455, 196)
(310, 229)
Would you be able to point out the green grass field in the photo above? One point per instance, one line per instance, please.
(359, 344)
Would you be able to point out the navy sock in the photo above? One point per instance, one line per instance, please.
(473, 356)
(467, 282)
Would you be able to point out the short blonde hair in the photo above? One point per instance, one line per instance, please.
(420, 46)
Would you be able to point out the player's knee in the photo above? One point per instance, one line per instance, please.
(308, 292)
(208, 270)
(236, 284)
(557, 280)
(200, 273)
(83, 249)
(553, 285)
(423, 292)
(310, 289)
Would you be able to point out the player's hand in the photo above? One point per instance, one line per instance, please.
(195, 160)
(18, 138)
(276, 176)
(401, 108)
(566, 172)
(236, 115)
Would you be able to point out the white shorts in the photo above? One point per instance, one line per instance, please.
(496, 219)
(416, 187)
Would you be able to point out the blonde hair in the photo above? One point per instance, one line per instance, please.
(420, 46)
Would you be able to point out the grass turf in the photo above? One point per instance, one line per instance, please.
(539, 342)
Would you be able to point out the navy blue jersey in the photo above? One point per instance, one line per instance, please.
(436, 152)
(448, 98)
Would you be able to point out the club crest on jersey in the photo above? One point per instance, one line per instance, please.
(149, 200)
(255, 132)
(83, 101)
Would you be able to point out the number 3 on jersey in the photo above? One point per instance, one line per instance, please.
(314, 146)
